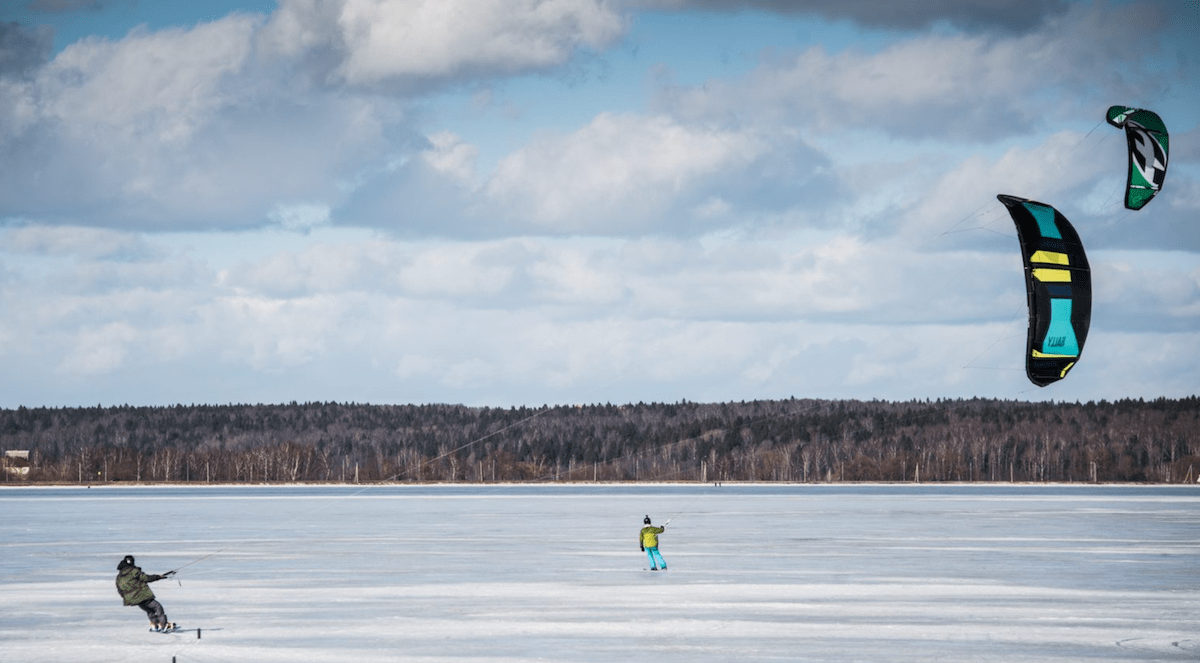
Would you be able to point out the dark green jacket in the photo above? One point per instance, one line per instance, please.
(134, 586)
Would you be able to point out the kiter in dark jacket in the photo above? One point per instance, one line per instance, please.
(134, 587)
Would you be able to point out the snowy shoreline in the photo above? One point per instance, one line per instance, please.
(621, 484)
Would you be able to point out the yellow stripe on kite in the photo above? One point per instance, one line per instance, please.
(1052, 257)
(1047, 275)
(1043, 355)
(1065, 369)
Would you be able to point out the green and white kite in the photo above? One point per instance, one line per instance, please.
(1147, 138)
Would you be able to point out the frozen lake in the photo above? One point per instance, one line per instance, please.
(553, 573)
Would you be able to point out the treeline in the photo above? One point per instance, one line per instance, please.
(788, 440)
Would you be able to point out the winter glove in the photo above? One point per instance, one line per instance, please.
(168, 574)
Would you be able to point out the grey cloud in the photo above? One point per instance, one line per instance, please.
(958, 87)
(412, 199)
(1166, 224)
(1134, 296)
(77, 242)
(234, 169)
(1185, 146)
(23, 49)
(63, 6)
(967, 14)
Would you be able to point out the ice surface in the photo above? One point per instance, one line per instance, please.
(553, 573)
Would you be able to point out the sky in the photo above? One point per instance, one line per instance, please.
(525, 202)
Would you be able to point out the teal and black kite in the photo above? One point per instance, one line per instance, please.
(1058, 287)
(1147, 138)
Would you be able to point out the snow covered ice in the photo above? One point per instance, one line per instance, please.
(553, 573)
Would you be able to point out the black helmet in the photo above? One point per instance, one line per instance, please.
(646, 521)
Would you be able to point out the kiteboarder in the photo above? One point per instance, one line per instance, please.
(648, 540)
(134, 587)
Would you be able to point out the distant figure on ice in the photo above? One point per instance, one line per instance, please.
(648, 539)
(134, 587)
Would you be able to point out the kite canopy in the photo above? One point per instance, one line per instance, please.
(1147, 138)
(1058, 286)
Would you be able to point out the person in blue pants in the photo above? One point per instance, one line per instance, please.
(648, 539)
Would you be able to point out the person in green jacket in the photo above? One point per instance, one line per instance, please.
(134, 588)
(648, 539)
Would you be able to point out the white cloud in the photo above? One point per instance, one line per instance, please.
(524, 321)
(300, 217)
(318, 268)
(570, 276)
(269, 334)
(454, 270)
(451, 156)
(615, 174)
(439, 38)
(415, 366)
(98, 349)
(962, 198)
(163, 85)
(424, 42)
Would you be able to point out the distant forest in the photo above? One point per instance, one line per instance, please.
(796, 440)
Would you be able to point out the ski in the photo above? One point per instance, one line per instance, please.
(176, 629)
